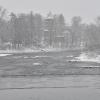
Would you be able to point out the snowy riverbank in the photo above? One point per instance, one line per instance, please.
(88, 57)
(32, 50)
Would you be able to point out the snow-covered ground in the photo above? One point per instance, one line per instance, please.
(2, 55)
(28, 50)
(19, 51)
(87, 57)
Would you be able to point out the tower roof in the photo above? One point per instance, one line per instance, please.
(49, 16)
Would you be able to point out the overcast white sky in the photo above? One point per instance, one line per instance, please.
(87, 9)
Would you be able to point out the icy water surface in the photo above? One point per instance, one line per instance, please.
(47, 70)
(48, 76)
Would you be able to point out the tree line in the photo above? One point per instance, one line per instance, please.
(34, 30)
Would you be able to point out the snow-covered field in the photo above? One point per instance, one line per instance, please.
(28, 50)
(19, 51)
(87, 57)
(5, 54)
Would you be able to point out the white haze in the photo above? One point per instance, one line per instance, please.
(87, 9)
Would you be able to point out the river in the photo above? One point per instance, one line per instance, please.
(47, 77)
